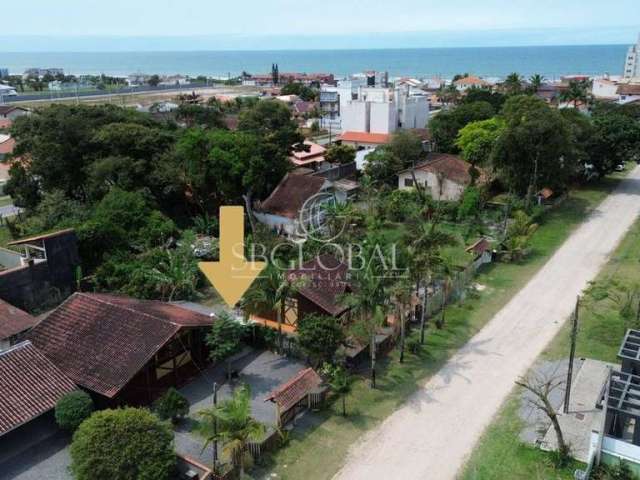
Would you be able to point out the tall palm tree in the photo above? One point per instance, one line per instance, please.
(401, 296)
(576, 92)
(536, 82)
(231, 423)
(513, 83)
(270, 293)
(425, 242)
(367, 303)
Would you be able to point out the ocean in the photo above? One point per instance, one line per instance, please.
(550, 61)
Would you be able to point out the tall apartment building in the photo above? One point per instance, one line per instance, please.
(632, 62)
(384, 110)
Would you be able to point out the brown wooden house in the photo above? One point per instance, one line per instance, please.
(123, 350)
(321, 283)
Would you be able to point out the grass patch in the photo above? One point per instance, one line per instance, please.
(319, 450)
(608, 308)
(5, 236)
(5, 200)
(500, 454)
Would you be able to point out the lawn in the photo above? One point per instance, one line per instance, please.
(318, 451)
(601, 328)
(5, 200)
(5, 237)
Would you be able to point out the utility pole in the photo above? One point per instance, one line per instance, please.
(215, 428)
(572, 354)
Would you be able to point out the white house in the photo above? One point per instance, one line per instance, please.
(465, 83)
(7, 91)
(442, 175)
(628, 93)
(604, 89)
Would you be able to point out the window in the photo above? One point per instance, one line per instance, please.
(408, 182)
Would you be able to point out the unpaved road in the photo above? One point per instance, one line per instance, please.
(430, 437)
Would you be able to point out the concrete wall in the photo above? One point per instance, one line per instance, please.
(383, 118)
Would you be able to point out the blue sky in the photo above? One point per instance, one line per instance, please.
(80, 24)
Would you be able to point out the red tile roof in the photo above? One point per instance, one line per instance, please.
(629, 89)
(453, 167)
(13, 320)
(5, 122)
(30, 385)
(324, 279)
(479, 247)
(365, 137)
(7, 146)
(288, 198)
(470, 80)
(295, 389)
(4, 171)
(102, 341)
(315, 154)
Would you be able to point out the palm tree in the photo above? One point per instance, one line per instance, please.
(513, 84)
(366, 303)
(231, 423)
(576, 92)
(176, 274)
(536, 82)
(270, 293)
(340, 383)
(426, 240)
(401, 295)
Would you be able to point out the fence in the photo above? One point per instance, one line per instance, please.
(336, 173)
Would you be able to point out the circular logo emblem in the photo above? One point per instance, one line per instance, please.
(320, 217)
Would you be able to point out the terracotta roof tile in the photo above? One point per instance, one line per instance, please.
(102, 341)
(295, 389)
(13, 320)
(291, 193)
(323, 280)
(452, 167)
(7, 146)
(629, 89)
(365, 137)
(30, 385)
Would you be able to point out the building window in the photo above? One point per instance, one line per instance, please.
(408, 182)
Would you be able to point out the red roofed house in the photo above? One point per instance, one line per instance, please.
(465, 83)
(364, 139)
(312, 158)
(30, 385)
(13, 324)
(11, 112)
(444, 176)
(320, 284)
(295, 205)
(123, 350)
(7, 144)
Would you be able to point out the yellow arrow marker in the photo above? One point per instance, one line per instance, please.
(233, 274)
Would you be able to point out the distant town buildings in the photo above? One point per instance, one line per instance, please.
(632, 62)
(4, 72)
(41, 72)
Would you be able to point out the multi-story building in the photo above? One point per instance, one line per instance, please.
(384, 110)
(632, 62)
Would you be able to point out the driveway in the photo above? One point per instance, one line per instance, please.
(261, 371)
(431, 436)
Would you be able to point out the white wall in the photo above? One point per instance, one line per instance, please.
(448, 191)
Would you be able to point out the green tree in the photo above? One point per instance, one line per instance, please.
(143, 450)
(194, 115)
(153, 80)
(73, 409)
(171, 406)
(225, 339)
(615, 138)
(518, 235)
(382, 167)
(340, 382)
(231, 423)
(513, 84)
(534, 150)
(307, 94)
(270, 294)
(477, 140)
(320, 336)
(341, 154)
(536, 81)
(577, 92)
(446, 125)
(496, 99)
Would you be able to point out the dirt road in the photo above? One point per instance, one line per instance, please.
(430, 437)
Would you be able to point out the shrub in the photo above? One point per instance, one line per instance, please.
(171, 406)
(414, 346)
(73, 409)
(123, 444)
(319, 336)
(470, 203)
